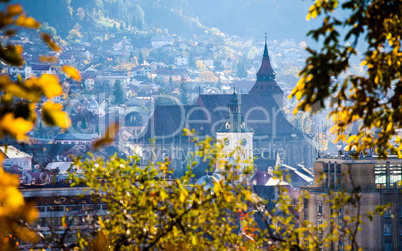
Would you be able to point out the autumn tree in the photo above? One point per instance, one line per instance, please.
(119, 96)
(141, 59)
(241, 71)
(48, 29)
(74, 35)
(191, 61)
(18, 103)
(373, 97)
(184, 99)
(170, 81)
(200, 65)
(208, 77)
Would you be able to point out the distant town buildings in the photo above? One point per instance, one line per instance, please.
(263, 113)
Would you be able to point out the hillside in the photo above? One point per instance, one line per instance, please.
(252, 18)
(105, 14)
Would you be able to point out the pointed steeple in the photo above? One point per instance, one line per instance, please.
(265, 73)
(235, 121)
(266, 83)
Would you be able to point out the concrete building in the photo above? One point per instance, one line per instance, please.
(53, 203)
(378, 184)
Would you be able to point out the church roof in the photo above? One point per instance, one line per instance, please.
(260, 111)
(170, 120)
(266, 68)
(266, 77)
(257, 111)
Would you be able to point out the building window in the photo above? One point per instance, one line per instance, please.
(305, 204)
(340, 215)
(388, 212)
(395, 174)
(380, 172)
(387, 229)
(319, 208)
(333, 175)
(387, 176)
(388, 246)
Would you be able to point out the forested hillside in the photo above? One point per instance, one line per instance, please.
(281, 19)
(138, 15)
(251, 18)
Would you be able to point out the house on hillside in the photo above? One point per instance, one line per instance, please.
(24, 71)
(160, 41)
(14, 157)
(180, 61)
(141, 71)
(40, 69)
(67, 58)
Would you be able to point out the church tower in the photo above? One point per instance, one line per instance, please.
(235, 134)
(266, 83)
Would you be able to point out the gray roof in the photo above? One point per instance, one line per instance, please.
(76, 136)
(39, 67)
(256, 108)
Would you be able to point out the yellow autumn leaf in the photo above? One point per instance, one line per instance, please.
(182, 197)
(389, 126)
(108, 138)
(48, 59)
(30, 212)
(14, 199)
(4, 81)
(50, 85)
(27, 235)
(16, 127)
(12, 54)
(47, 38)
(14, 9)
(27, 22)
(53, 115)
(8, 179)
(72, 72)
(351, 139)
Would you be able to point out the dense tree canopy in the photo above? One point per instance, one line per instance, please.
(373, 98)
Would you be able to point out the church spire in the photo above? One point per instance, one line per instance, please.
(266, 83)
(235, 121)
(265, 73)
(266, 47)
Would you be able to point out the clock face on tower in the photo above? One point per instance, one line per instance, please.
(244, 142)
(227, 142)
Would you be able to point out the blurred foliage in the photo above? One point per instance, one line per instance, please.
(374, 97)
(19, 104)
(148, 211)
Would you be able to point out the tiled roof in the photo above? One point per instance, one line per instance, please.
(39, 67)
